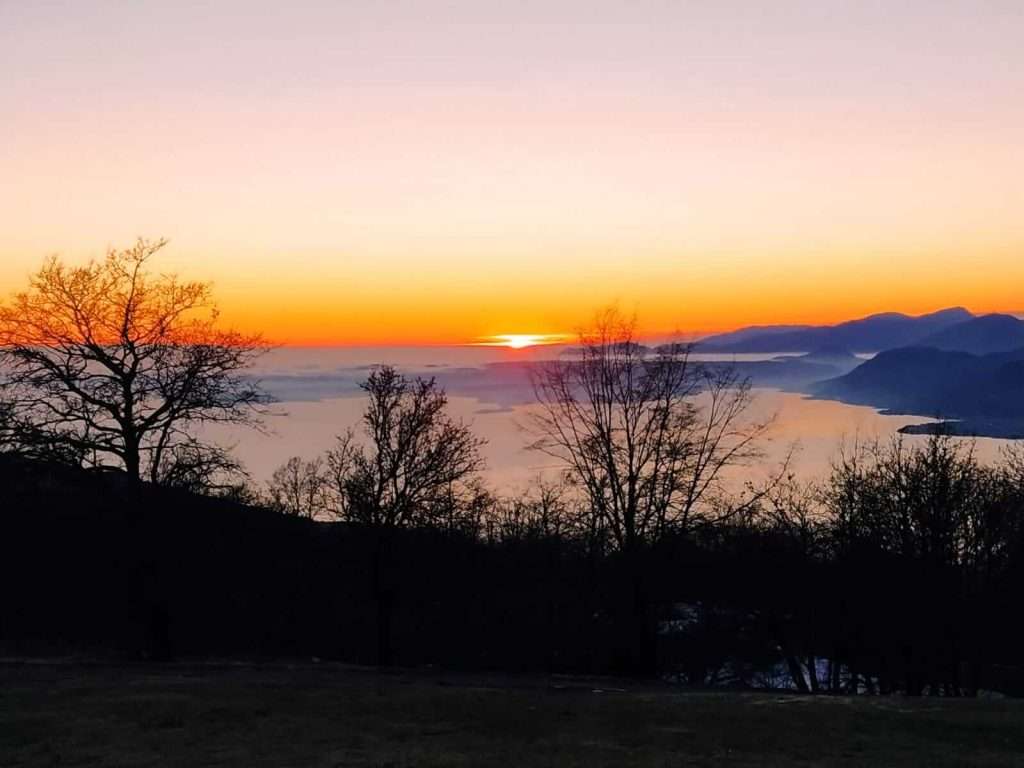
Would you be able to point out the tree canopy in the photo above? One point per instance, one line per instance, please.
(111, 364)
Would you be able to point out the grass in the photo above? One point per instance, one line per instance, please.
(323, 715)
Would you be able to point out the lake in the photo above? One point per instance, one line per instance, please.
(319, 398)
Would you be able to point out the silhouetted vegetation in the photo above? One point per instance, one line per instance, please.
(900, 573)
(646, 453)
(897, 573)
(416, 466)
(299, 488)
(108, 365)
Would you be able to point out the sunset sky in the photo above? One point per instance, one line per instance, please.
(431, 172)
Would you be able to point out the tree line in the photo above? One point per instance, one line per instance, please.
(647, 555)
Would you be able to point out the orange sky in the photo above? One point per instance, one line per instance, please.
(418, 172)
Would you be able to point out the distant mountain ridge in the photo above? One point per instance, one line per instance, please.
(752, 333)
(874, 333)
(949, 364)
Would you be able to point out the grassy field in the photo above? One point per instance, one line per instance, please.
(321, 715)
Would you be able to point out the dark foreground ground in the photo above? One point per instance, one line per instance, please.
(321, 715)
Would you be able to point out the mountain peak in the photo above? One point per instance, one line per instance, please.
(949, 312)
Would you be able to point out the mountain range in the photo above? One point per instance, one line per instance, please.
(868, 334)
(950, 364)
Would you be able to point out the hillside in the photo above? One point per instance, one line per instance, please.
(94, 565)
(935, 382)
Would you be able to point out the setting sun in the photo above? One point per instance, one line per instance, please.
(521, 340)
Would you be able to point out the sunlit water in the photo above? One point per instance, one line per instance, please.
(320, 399)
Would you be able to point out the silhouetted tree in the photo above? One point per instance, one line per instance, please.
(193, 466)
(543, 512)
(10, 439)
(934, 521)
(300, 488)
(115, 366)
(648, 438)
(415, 467)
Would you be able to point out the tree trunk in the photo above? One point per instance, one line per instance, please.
(133, 461)
(382, 597)
(634, 647)
(796, 673)
(812, 673)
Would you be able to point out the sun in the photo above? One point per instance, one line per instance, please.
(521, 340)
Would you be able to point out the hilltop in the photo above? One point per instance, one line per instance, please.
(985, 393)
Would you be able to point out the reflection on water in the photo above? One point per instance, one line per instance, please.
(327, 402)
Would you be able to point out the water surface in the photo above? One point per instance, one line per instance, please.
(489, 389)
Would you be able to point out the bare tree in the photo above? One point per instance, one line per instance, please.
(199, 468)
(648, 436)
(906, 498)
(940, 522)
(115, 366)
(794, 509)
(543, 512)
(416, 465)
(24, 439)
(300, 488)
(10, 440)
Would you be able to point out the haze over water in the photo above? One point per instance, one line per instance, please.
(319, 398)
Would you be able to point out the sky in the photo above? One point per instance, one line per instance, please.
(437, 172)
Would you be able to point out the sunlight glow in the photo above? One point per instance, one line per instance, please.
(461, 169)
(521, 340)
